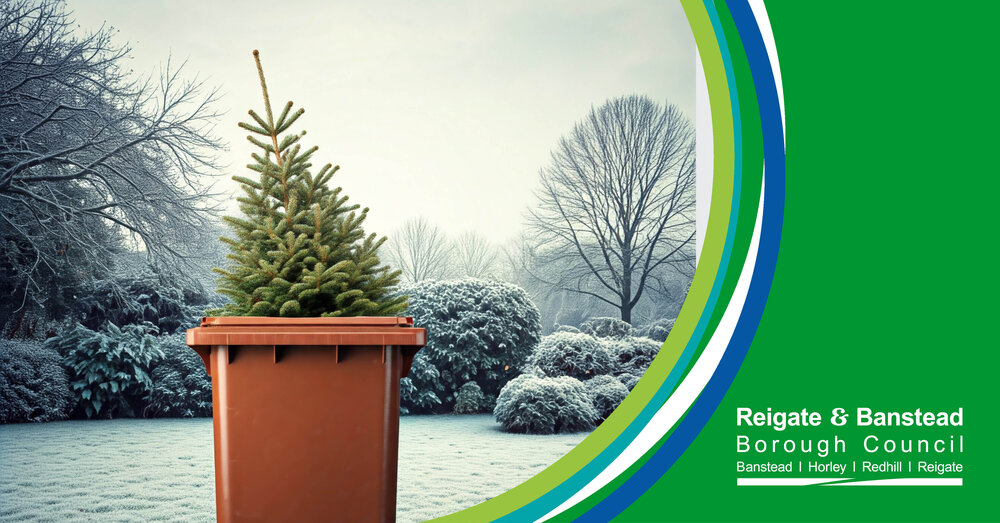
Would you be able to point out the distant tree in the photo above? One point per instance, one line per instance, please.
(474, 256)
(421, 250)
(520, 263)
(92, 160)
(513, 259)
(615, 210)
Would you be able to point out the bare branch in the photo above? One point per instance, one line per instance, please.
(94, 160)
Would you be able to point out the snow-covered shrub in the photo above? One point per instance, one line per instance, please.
(33, 383)
(469, 399)
(109, 368)
(632, 355)
(580, 356)
(629, 380)
(567, 328)
(606, 327)
(477, 330)
(536, 405)
(425, 398)
(657, 330)
(181, 386)
(607, 393)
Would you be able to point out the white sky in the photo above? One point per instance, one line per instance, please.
(443, 109)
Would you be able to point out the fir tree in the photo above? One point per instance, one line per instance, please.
(300, 249)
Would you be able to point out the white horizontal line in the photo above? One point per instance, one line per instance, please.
(782, 482)
(904, 482)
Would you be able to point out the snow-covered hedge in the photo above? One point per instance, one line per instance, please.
(632, 355)
(657, 330)
(140, 297)
(181, 386)
(477, 330)
(607, 393)
(33, 384)
(606, 327)
(537, 405)
(579, 356)
(470, 399)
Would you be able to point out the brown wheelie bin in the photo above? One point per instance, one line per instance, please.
(306, 414)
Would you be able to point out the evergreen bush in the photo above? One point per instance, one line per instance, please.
(477, 330)
(109, 368)
(33, 384)
(579, 356)
(629, 380)
(632, 355)
(137, 298)
(606, 328)
(418, 392)
(180, 385)
(470, 399)
(607, 393)
(657, 330)
(537, 405)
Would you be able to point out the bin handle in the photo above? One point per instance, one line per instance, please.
(204, 353)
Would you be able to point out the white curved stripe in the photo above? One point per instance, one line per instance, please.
(902, 482)
(764, 24)
(689, 389)
(783, 482)
(703, 152)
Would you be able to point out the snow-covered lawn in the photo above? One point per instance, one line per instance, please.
(447, 463)
(162, 469)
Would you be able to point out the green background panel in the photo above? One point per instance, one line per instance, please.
(885, 293)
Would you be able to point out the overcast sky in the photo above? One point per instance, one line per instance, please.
(443, 109)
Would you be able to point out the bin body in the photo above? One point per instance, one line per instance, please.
(306, 415)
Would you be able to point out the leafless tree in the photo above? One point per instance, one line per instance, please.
(421, 250)
(475, 256)
(94, 159)
(616, 204)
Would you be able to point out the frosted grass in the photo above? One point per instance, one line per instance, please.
(162, 469)
(447, 463)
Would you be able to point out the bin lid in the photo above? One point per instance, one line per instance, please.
(268, 320)
(257, 330)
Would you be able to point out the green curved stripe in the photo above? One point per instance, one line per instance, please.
(694, 304)
(752, 157)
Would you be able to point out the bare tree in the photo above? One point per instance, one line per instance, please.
(93, 160)
(474, 256)
(616, 204)
(419, 249)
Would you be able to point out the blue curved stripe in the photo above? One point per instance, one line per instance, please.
(774, 194)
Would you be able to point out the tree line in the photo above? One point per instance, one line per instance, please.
(103, 169)
(613, 226)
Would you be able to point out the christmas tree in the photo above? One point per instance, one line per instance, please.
(300, 249)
